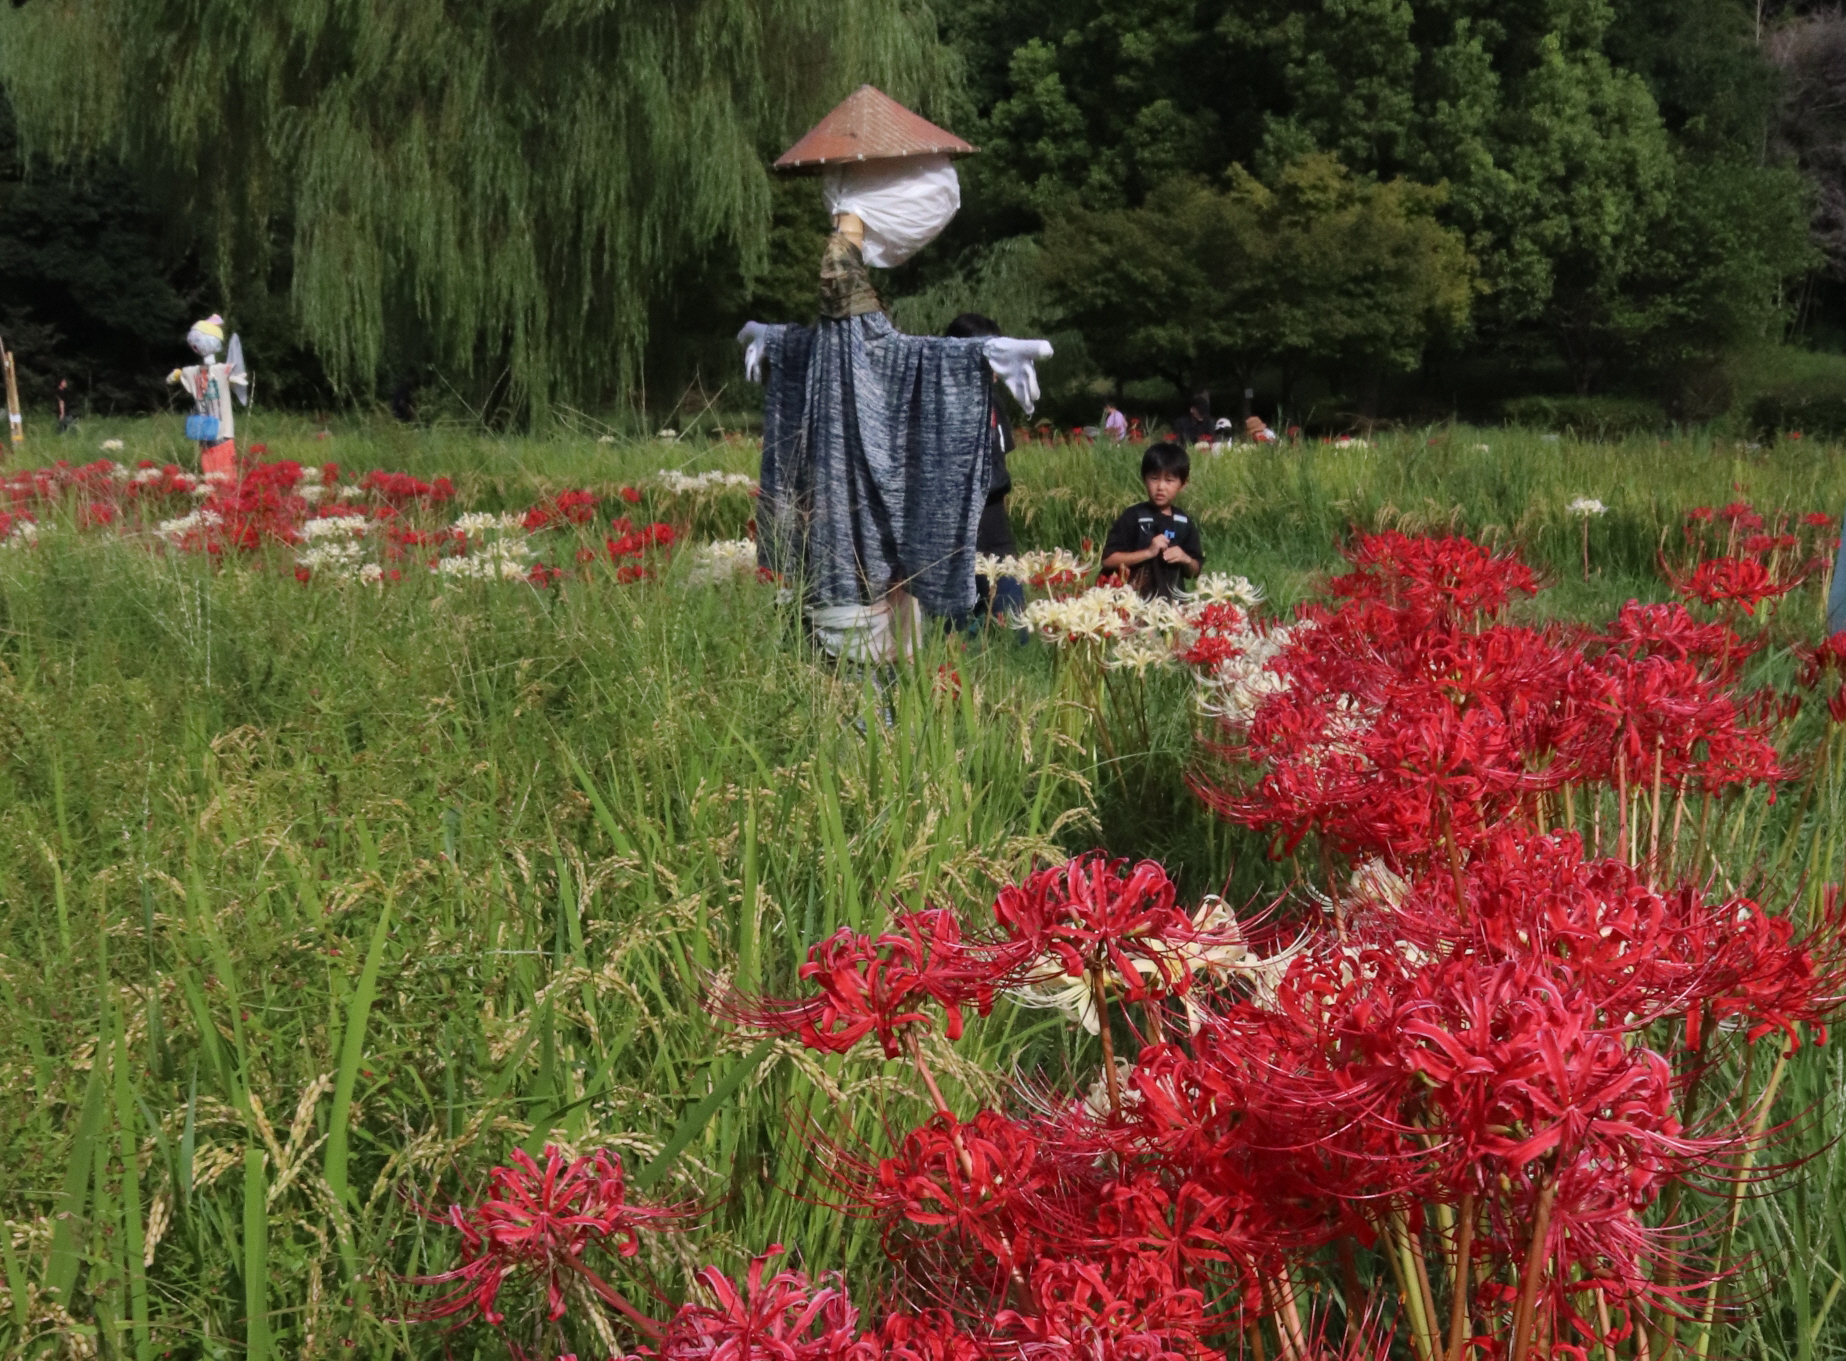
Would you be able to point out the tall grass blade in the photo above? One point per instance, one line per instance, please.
(66, 1254)
(256, 1256)
(352, 1052)
(693, 1123)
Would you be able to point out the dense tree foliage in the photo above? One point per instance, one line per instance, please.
(91, 289)
(1603, 162)
(566, 201)
(1196, 283)
(496, 185)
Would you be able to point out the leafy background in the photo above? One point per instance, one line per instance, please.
(521, 209)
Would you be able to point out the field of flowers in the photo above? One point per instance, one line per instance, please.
(447, 909)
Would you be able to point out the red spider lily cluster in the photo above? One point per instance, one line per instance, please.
(1480, 1108)
(540, 1225)
(1411, 718)
(1465, 1093)
(1732, 559)
(283, 502)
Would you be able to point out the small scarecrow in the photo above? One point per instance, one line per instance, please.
(877, 445)
(210, 385)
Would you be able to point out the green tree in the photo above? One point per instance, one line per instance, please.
(507, 186)
(91, 287)
(1577, 139)
(1320, 267)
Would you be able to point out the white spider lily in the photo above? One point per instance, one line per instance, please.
(1222, 588)
(723, 560)
(682, 484)
(1138, 655)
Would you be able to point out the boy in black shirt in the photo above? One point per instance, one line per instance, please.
(1155, 545)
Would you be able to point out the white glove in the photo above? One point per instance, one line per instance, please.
(751, 338)
(1014, 362)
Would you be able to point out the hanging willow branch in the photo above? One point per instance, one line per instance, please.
(511, 180)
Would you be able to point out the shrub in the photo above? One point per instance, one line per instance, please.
(1589, 417)
(1809, 395)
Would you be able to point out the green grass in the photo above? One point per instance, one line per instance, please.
(315, 902)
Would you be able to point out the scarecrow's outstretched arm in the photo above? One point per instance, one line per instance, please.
(751, 338)
(1015, 363)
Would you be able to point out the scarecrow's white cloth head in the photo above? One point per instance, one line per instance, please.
(207, 337)
(904, 204)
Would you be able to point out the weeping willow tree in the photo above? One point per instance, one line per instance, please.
(510, 182)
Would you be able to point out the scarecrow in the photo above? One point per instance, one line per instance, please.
(210, 385)
(876, 444)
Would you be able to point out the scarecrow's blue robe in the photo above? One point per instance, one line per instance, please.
(876, 460)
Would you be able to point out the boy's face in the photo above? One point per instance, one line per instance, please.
(1163, 488)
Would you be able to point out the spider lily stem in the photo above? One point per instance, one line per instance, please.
(611, 1296)
(1156, 1028)
(1621, 802)
(1459, 1279)
(1419, 1263)
(1602, 1320)
(1757, 1126)
(942, 1106)
(1410, 1285)
(1653, 837)
(1523, 1316)
(1108, 1043)
(1290, 1315)
(1448, 835)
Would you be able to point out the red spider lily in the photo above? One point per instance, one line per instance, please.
(932, 1335)
(571, 507)
(401, 488)
(1836, 707)
(1671, 631)
(1732, 580)
(1219, 636)
(630, 495)
(1817, 661)
(783, 1318)
(1431, 575)
(1818, 519)
(1092, 912)
(1083, 1310)
(538, 1223)
(1634, 716)
(881, 985)
(633, 543)
(983, 1197)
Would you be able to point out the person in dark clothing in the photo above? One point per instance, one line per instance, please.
(1195, 425)
(994, 534)
(1154, 545)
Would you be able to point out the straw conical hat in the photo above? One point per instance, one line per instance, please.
(870, 126)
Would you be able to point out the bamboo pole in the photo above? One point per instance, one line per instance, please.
(16, 425)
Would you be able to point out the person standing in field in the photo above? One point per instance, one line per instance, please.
(1114, 423)
(1154, 545)
(994, 535)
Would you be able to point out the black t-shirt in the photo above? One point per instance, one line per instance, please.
(1136, 528)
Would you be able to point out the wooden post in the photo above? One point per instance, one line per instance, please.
(16, 426)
